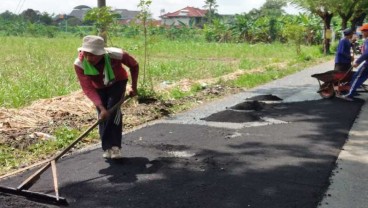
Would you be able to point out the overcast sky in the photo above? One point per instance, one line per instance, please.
(66, 6)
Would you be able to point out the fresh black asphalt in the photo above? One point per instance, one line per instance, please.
(172, 165)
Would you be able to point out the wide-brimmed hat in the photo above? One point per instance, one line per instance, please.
(364, 27)
(348, 31)
(93, 44)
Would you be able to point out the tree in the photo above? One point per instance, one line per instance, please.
(144, 15)
(45, 18)
(346, 9)
(360, 12)
(30, 15)
(254, 14)
(103, 18)
(312, 27)
(273, 8)
(295, 34)
(9, 16)
(211, 6)
(324, 9)
(241, 26)
(358, 18)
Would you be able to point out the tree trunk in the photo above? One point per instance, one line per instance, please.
(344, 23)
(101, 3)
(102, 31)
(327, 29)
(357, 20)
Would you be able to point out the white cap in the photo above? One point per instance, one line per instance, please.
(93, 44)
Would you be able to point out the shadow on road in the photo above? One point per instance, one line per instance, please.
(125, 170)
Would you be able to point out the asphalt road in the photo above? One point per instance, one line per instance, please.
(246, 150)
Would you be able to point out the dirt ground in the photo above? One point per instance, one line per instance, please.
(20, 128)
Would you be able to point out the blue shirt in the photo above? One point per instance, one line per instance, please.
(364, 56)
(343, 52)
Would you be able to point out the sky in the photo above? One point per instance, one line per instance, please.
(66, 6)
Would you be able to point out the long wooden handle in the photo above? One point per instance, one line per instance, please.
(33, 178)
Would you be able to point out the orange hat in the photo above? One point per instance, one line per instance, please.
(364, 27)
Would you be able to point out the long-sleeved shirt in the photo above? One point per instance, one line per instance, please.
(343, 55)
(90, 83)
(364, 56)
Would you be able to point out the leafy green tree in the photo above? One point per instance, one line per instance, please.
(102, 18)
(147, 89)
(45, 18)
(143, 16)
(9, 16)
(346, 9)
(324, 9)
(312, 27)
(360, 13)
(218, 31)
(353, 10)
(241, 27)
(261, 30)
(296, 34)
(211, 6)
(273, 8)
(254, 14)
(30, 15)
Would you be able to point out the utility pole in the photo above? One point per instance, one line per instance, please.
(102, 32)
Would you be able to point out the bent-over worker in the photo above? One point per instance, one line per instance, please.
(103, 79)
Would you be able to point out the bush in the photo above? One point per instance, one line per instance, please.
(333, 47)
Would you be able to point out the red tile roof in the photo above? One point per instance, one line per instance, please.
(186, 12)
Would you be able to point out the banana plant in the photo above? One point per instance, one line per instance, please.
(241, 27)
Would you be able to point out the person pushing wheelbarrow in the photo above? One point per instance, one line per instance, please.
(343, 58)
(334, 82)
(361, 75)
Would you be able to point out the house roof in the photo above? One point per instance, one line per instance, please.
(82, 7)
(80, 11)
(186, 12)
(126, 14)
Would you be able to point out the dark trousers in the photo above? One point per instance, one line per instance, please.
(111, 129)
(342, 67)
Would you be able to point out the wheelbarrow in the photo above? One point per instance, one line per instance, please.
(332, 83)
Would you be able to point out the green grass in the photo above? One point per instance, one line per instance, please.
(35, 68)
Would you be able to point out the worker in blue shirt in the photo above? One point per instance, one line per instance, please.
(343, 56)
(362, 74)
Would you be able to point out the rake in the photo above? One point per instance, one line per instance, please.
(22, 189)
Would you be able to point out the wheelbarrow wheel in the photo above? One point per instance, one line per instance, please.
(327, 90)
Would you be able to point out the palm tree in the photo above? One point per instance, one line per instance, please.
(211, 5)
